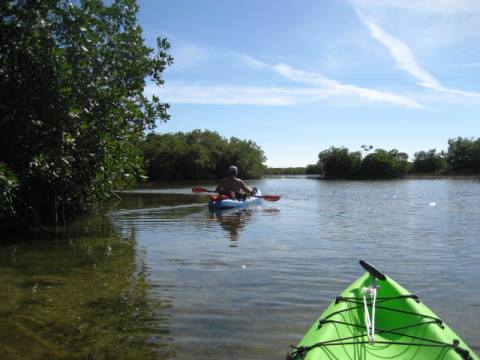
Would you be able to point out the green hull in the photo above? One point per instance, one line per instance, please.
(343, 334)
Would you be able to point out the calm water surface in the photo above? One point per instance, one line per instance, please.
(159, 276)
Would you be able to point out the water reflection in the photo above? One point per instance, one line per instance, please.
(232, 222)
(157, 280)
(84, 294)
(235, 221)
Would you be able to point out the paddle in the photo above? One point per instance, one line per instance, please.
(265, 197)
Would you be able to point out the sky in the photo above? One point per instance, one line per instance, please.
(299, 76)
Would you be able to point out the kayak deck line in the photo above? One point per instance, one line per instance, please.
(355, 301)
(302, 350)
(348, 332)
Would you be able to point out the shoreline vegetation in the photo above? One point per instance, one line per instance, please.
(410, 176)
(205, 155)
(75, 119)
(200, 155)
(72, 81)
(461, 160)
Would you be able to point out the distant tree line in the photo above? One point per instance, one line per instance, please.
(461, 158)
(200, 155)
(72, 104)
(340, 163)
(429, 162)
(299, 170)
(311, 169)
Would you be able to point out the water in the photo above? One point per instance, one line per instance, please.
(158, 276)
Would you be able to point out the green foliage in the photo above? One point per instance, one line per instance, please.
(429, 161)
(8, 184)
(339, 163)
(313, 169)
(382, 164)
(72, 76)
(463, 155)
(285, 171)
(200, 155)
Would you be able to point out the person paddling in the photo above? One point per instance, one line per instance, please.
(233, 186)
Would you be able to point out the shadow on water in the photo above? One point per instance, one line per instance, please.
(81, 294)
(235, 221)
(141, 199)
(232, 222)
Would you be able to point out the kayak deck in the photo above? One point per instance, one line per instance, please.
(404, 328)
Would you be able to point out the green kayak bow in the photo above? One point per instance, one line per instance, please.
(376, 318)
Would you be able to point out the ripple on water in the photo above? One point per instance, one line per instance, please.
(247, 284)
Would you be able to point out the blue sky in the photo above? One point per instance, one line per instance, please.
(300, 76)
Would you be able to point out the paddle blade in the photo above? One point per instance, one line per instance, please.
(199, 190)
(270, 197)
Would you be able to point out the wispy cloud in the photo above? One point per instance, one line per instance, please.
(180, 93)
(431, 27)
(401, 53)
(423, 6)
(406, 61)
(250, 61)
(321, 90)
(340, 89)
(303, 76)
